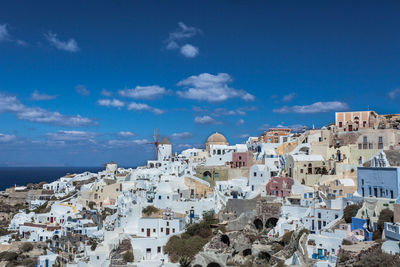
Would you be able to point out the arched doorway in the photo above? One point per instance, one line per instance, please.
(213, 264)
(207, 175)
(263, 255)
(225, 240)
(247, 252)
(271, 222)
(309, 171)
(258, 224)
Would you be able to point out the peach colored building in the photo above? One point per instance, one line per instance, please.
(355, 120)
(273, 135)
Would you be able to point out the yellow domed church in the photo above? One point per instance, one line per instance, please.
(216, 139)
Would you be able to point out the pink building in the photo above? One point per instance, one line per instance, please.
(279, 186)
(241, 159)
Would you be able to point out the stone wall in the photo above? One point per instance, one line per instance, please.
(241, 212)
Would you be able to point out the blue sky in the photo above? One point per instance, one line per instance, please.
(85, 82)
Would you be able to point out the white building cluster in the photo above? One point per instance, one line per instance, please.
(90, 214)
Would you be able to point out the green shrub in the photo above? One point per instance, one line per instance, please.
(91, 204)
(350, 211)
(128, 256)
(4, 231)
(286, 238)
(149, 210)
(26, 247)
(376, 235)
(184, 261)
(377, 258)
(8, 256)
(93, 246)
(386, 215)
(276, 247)
(303, 231)
(185, 247)
(42, 208)
(177, 247)
(202, 229)
(29, 262)
(347, 242)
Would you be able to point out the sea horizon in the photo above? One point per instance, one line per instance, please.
(23, 175)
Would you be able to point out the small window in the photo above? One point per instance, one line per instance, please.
(173, 230)
(154, 230)
(167, 223)
(158, 249)
(142, 230)
(162, 229)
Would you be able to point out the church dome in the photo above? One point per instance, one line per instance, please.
(216, 138)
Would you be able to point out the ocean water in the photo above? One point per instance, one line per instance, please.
(10, 176)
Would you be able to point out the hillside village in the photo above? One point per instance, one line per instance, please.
(311, 197)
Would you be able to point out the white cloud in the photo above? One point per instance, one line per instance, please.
(125, 134)
(124, 143)
(297, 127)
(212, 88)
(105, 92)
(189, 51)
(314, 108)
(394, 93)
(69, 46)
(145, 107)
(21, 43)
(111, 103)
(205, 120)
(240, 122)
(4, 35)
(82, 90)
(289, 97)
(243, 136)
(144, 92)
(183, 135)
(264, 127)
(38, 96)
(227, 112)
(5, 138)
(10, 104)
(182, 32)
(172, 45)
(72, 136)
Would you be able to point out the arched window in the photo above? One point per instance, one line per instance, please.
(309, 168)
